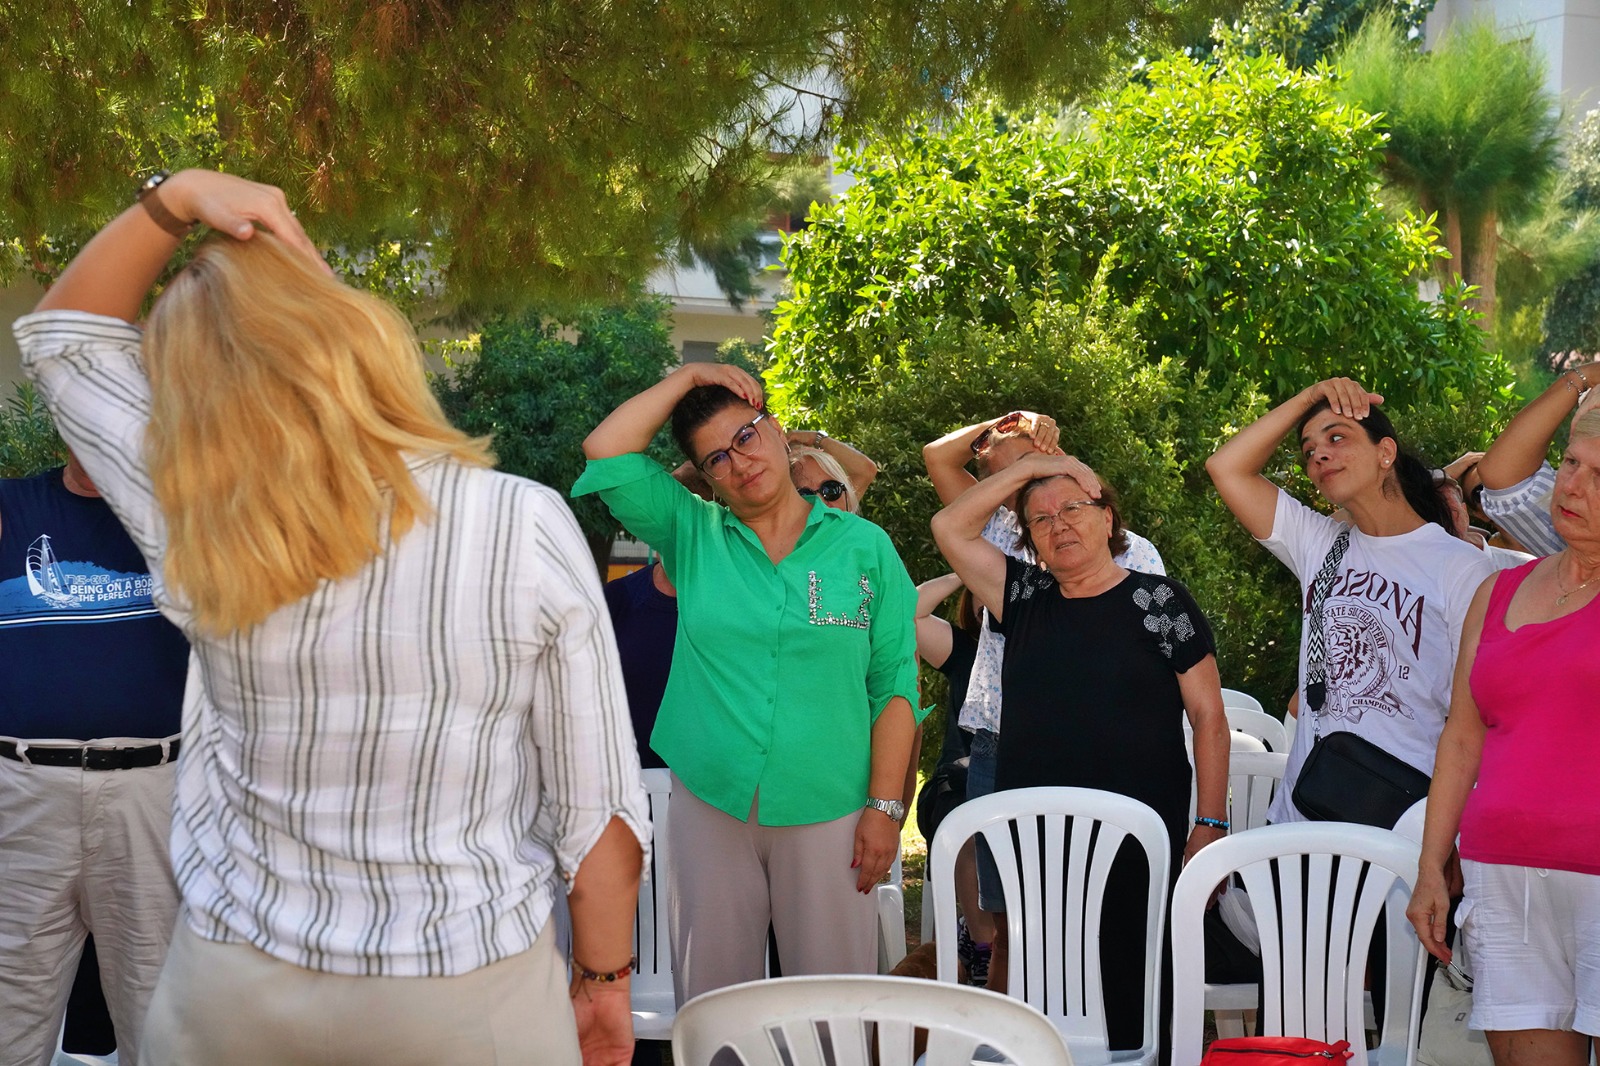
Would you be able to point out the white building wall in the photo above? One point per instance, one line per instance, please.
(1566, 31)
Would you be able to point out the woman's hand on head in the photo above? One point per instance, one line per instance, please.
(1345, 396)
(739, 382)
(1059, 464)
(236, 206)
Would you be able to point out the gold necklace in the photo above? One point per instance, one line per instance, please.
(1561, 600)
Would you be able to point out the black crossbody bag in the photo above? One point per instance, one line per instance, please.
(1347, 778)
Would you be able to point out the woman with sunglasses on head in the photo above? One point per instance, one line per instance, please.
(1389, 593)
(1102, 665)
(788, 718)
(992, 446)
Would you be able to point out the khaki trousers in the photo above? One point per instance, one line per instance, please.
(728, 880)
(81, 851)
(229, 1003)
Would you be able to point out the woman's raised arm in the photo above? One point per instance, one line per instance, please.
(115, 271)
(634, 423)
(1236, 467)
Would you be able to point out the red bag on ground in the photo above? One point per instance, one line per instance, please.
(1274, 1051)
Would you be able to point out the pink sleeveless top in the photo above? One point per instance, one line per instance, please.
(1538, 691)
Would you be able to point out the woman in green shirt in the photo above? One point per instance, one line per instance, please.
(787, 720)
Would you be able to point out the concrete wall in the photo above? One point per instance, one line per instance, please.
(15, 300)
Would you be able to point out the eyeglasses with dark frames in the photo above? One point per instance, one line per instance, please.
(718, 463)
(829, 490)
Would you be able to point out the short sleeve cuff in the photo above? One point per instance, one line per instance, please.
(43, 334)
(1531, 492)
(613, 471)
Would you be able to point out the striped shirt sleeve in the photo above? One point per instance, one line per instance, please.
(588, 761)
(1523, 511)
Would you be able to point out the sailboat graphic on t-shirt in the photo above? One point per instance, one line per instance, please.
(45, 579)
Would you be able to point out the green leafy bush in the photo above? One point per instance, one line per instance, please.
(1208, 242)
(1234, 205)
(538, 385)
(28, 439)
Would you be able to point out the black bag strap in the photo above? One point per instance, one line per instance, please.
(1316, 650)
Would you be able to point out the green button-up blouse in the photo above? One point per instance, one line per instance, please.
(779, 670)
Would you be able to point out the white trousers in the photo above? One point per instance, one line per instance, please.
(81, 851)
(729, 879)
(229, 1003)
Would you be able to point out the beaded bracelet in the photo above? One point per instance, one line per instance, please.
(605, 978)
(1581, 387)
(1212, 823)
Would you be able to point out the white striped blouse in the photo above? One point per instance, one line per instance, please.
(386, 777)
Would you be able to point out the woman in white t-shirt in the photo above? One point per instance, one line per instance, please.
(1394, 603)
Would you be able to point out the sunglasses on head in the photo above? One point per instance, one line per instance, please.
(830, 491)
(1005, 424)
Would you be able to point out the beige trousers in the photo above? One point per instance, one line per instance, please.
(729, 880)
(81, 851)
(229, 1003)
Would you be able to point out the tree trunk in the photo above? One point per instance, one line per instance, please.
(1457, 266)
(1481, 271)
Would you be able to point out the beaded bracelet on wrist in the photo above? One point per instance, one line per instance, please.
(1212, 823)
(605, 978)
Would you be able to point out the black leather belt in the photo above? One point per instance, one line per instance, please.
(90, 758)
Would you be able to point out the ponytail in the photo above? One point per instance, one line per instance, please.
(1421, 490)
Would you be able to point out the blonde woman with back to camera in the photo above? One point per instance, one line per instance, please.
(401, 663)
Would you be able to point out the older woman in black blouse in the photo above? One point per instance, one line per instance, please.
(1101, 666)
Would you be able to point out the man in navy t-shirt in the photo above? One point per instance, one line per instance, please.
(91, 695)
(644, 615)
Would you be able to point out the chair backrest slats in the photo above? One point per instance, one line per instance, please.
(1055, 848)
(1317, 891)
(860, 1021)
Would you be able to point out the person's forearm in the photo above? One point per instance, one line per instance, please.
(115, 271)
(1455, 771)
(858, 469)
(892, 738)
(947, 459)
(635, 422)
(605, 894)
(1248, 451)
(930, 594)
(855, 463)
(910, 793)
(1517, 452)
(964, 517)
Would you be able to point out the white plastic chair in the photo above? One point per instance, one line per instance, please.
(1232, 697)
(1054, 878)
(1411, 823)
(860, 1021)
(1253, 777)
(891, 898)
(654, 1003)
(1317, 889)
(1238, 744)
(1259, 724)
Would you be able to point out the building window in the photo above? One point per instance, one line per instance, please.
(699, 351)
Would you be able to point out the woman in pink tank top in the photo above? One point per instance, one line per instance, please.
(1516, 776)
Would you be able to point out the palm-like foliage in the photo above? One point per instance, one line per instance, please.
(1473, 134)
